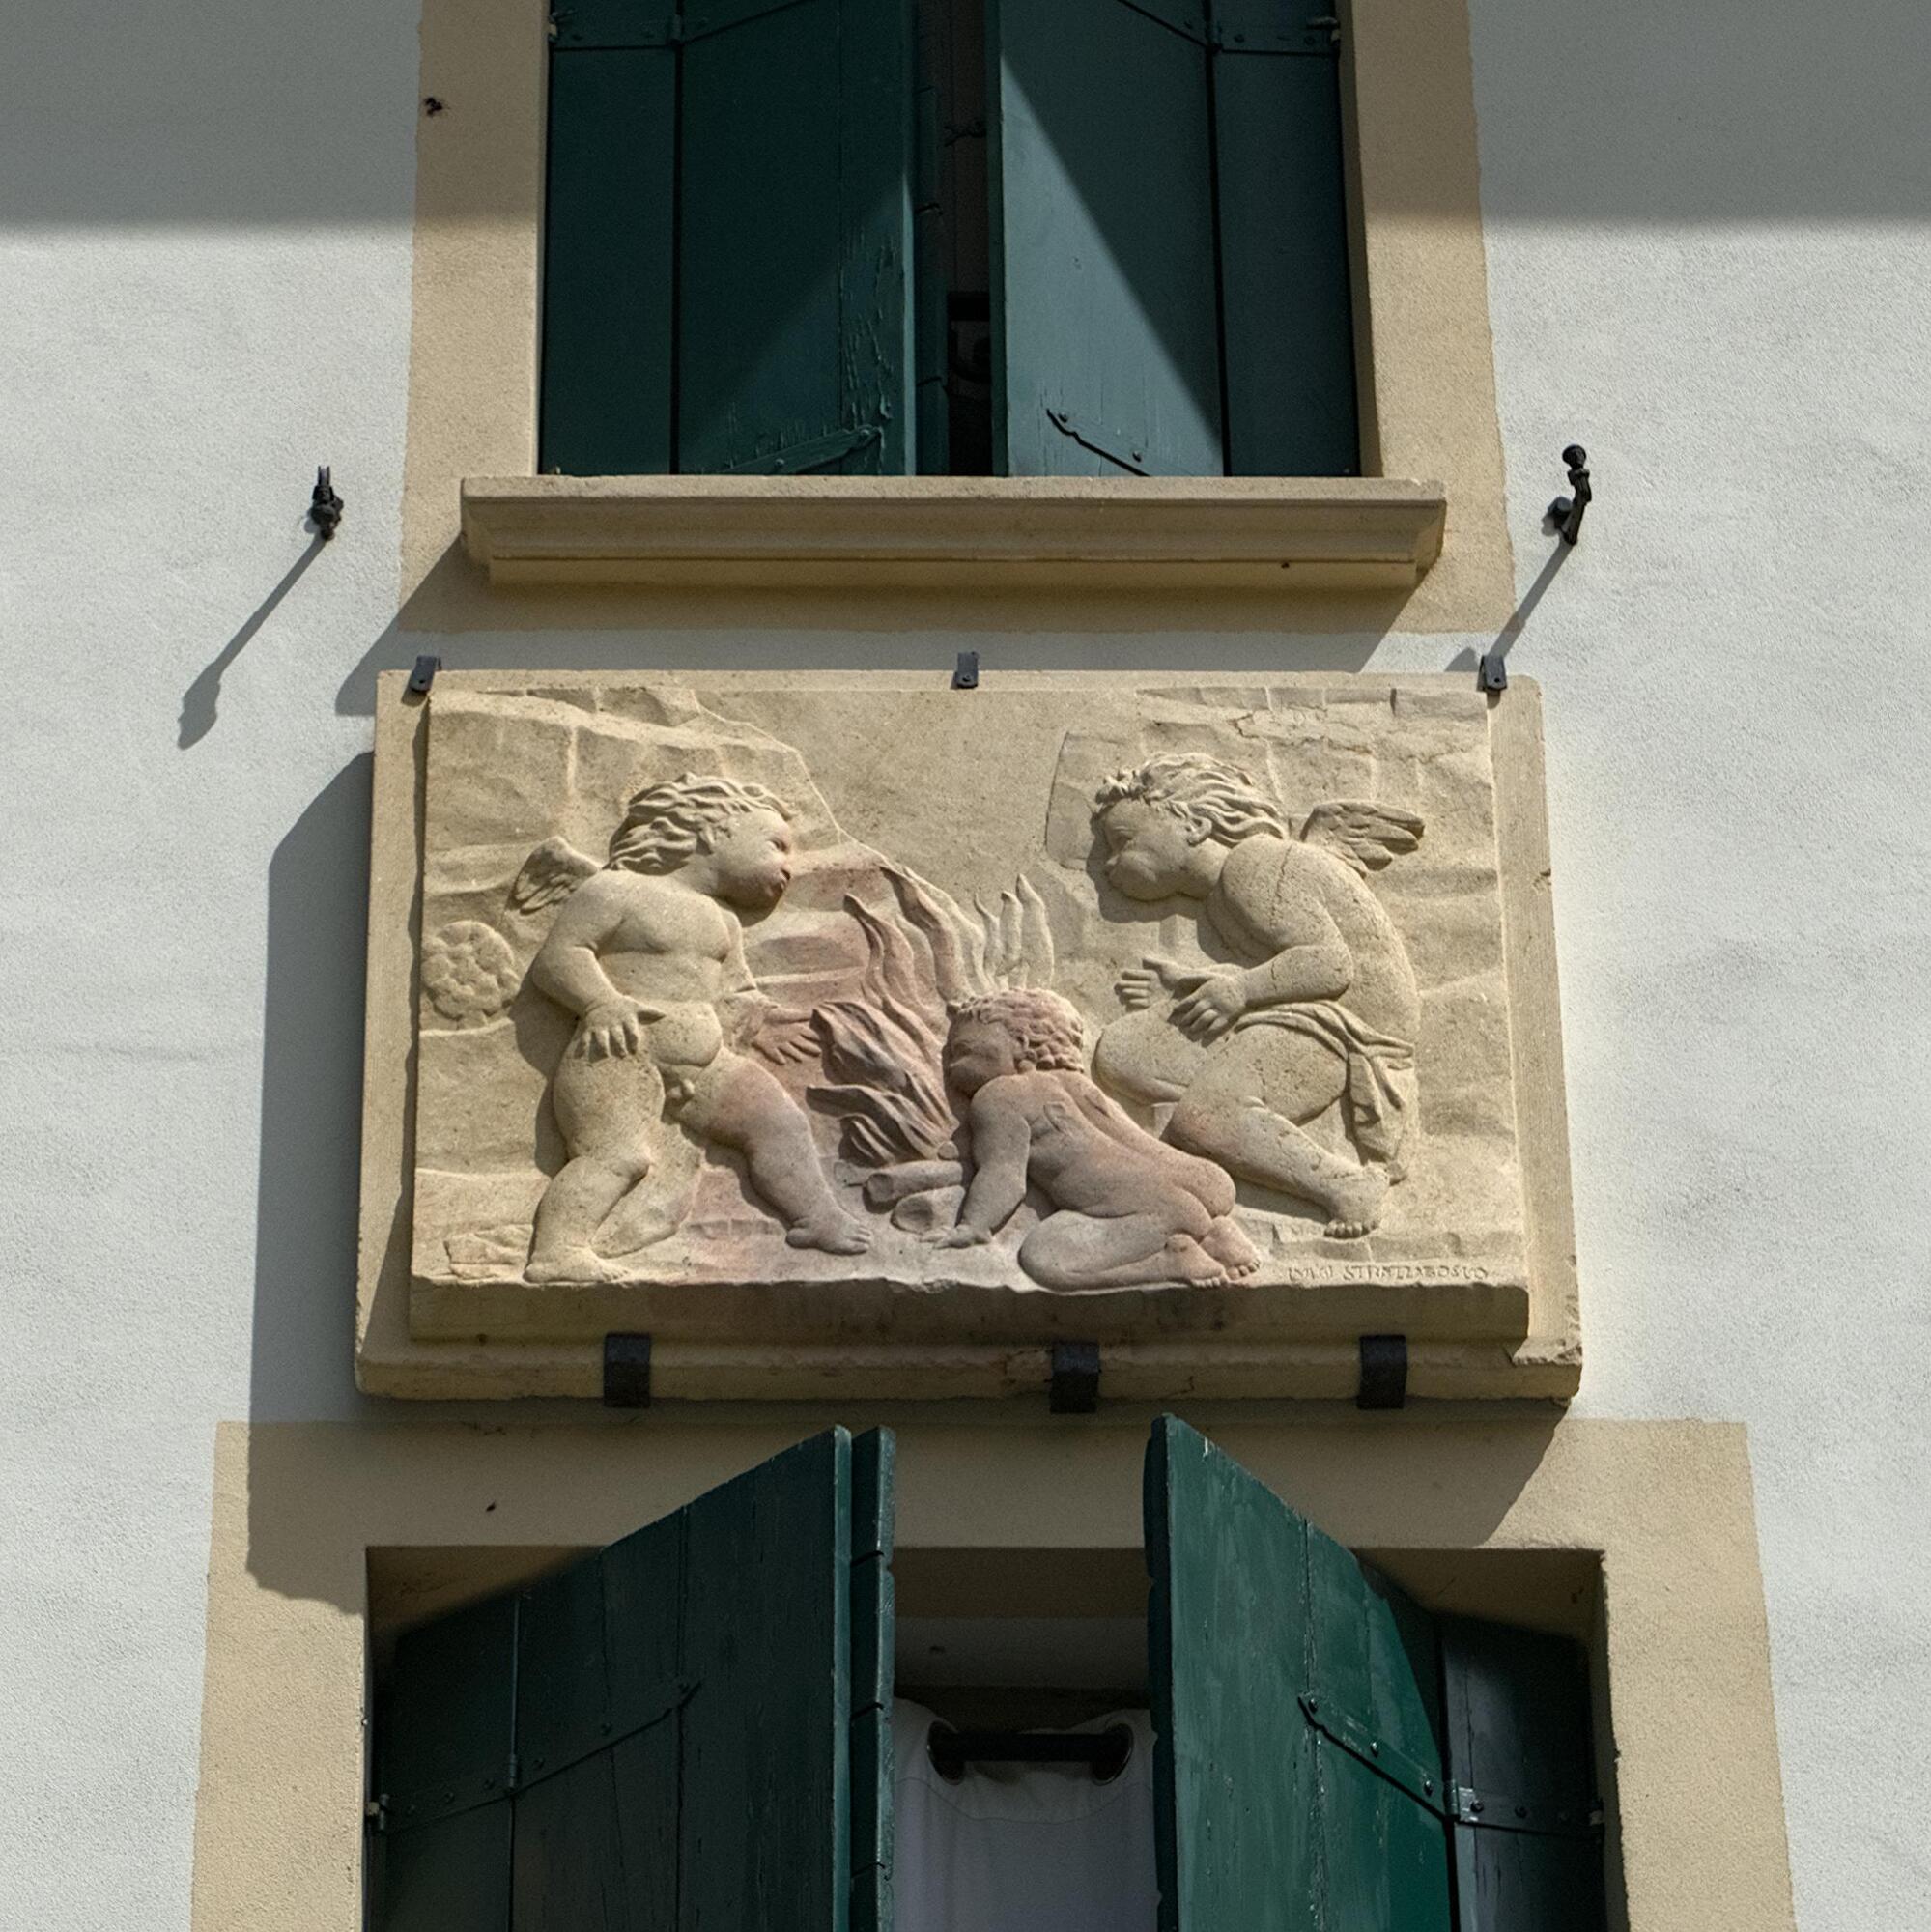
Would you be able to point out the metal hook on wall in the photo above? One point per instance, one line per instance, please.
(1566, 512)
(325, 506)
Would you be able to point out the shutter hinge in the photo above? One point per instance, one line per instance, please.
(513, 1774)
(1098, 438)
(1505, 1811)
(1420, 1782)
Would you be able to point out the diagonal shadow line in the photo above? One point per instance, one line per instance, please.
(1520, 618)
(198, 702)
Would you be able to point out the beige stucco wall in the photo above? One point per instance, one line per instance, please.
(1690, 1762)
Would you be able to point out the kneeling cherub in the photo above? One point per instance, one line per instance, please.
(1129, 1208)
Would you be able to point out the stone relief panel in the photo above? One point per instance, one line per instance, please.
(817, 1013)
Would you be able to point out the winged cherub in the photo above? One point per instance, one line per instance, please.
(1323, 1010)
(648, 954)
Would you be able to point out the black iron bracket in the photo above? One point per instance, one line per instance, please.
(325, 506)
(1075, 1389)
(1566, 512)
(423, 675)
(1384, 1371)
(626, 1371)
(1491, 673)
(965, 673)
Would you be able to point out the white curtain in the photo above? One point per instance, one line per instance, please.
(1023, 1847)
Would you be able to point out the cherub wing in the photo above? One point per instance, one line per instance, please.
(549, 876)
(1360, 835)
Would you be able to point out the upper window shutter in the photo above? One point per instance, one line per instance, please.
(662, 1734)
(1298, 1715)
(1170, 272)
(1287, 320)
(729, 257)
(1104, 333)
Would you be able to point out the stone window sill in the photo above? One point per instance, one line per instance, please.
(1240, 534)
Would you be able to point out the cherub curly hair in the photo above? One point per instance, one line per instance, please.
(667, 825)
(1044, 1029)
(1217, 800)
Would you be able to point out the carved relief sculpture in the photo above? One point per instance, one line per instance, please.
(649, 956)
(1127, 1028)
(1321, 1009)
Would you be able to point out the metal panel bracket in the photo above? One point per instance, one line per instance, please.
(965, 673)
(1075, 1378)
(626, 1371)
(1384, 1371)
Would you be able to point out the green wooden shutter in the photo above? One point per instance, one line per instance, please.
(1319, 1735)
(728, 253)
(1171, 271)
(662, 1735)
(1518, 1715)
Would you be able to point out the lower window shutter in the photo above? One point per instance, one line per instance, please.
(440, 1855)
(1328, 1756)
(1297, 1716)
(659, 1735)
(728, 240)
(1527, 1842)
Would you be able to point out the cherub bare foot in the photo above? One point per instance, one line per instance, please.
(834, 1235)
(1354, 1205)
(1230, 1247)
(1193, 1262)
(581, 1265)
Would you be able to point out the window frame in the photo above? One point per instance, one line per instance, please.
(1475, 1515)
(1420, 541)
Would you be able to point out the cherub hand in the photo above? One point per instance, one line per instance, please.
(964, 1236)
(614, 1029)
(1141, 986)
(1212, 1007)
(787, 1037)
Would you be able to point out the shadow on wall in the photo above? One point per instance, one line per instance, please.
(200, 703)
(308, 1179)
(255, 114)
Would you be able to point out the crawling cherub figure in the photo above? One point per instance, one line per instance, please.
(1129, 1208)
(648, 954)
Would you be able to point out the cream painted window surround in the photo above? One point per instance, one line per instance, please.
(478, 521)
(1329, 533)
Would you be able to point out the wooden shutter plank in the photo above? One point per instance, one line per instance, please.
(766, 1817)
(1235, 1760)
(877, 302)
(1104, 304)
(608, 279)
(758, 363)
(1288, 306)
(444, 1736)
(1371, 1656)
(1518, 1725)
(873, 1620)
(795, 254)
(1264, 1822)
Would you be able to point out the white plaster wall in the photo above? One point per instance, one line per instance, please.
(1709, 250)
